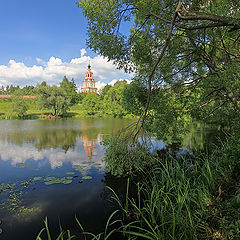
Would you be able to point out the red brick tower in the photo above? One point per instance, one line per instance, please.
(89, 82)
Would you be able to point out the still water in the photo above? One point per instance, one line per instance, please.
(54, 169)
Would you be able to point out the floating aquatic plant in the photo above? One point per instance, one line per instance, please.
(87, 177)
(67, 178)
(53, 180)
(50, 178)
(37, 178)
(67, 181)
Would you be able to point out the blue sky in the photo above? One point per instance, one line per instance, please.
(37, 32)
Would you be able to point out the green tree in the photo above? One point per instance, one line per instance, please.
(134, 97)
(44, 84)
(104, 91)
(53, 98)
(190, 47)
(28, 90)
(70, 88)
(112, 102)
(19, 105)
(2, 90)
(91, 103)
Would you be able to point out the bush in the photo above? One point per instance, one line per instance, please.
(124, 159)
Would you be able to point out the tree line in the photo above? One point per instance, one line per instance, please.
(112, 101)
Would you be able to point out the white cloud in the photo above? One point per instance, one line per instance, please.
(41, 61)
(101, 85)
(53, 71)
(83, 52)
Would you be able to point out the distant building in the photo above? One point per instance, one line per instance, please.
(89, 82)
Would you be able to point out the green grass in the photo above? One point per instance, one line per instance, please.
(76, 111)
(182, 200)
(66, 235)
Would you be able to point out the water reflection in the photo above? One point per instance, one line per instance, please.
(30, 149)
(89, 146)
(55, 157)
(57, 141)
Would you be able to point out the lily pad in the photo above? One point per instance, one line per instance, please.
(22, 166)
(87, 177)
(37, 169)
(37, 178)
(53, 180)
(49, 182)
(67, 178)
(50, 179)
(70, 173)
(67, 181)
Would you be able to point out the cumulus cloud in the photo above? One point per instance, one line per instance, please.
(41, 61)
(53, 71)
(83, 52)
(100, 85)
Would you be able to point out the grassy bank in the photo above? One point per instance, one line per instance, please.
(76, 111)
(185, 197)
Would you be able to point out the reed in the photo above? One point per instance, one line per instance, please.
(183, 198)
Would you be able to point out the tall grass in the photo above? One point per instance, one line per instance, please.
(179, 199)
(63, 235)
(110, 229)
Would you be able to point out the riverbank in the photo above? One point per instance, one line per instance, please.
(75, 112)
(188, 197)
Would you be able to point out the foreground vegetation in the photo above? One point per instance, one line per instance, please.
(186, 197)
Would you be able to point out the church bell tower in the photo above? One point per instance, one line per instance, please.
(89, 82)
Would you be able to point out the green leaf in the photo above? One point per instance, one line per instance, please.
(37, 178)
(87, 177)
